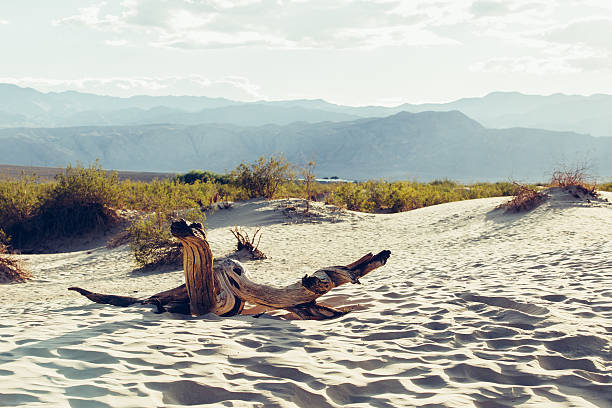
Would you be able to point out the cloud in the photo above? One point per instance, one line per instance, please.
(527, 64)
(231, 87)
(116, 43)
(549, 43)
(510, 9)
(489, 8)
(594, 32)
(397, 35)
(4, 22)
(189, 24)
(570, 60)
(578, 46)
(91, 17)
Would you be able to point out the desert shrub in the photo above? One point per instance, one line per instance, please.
(20, 200)
(5, 242)
(406, 195)
(82, 199)
(444, 184)
(151, 242)
(353, 196)
(577, 176)
(526, 198)
(232, 192)
(264, 177)
(11, 270)
(203, 176)
(297, 189)
(308, 174)
(165, 196)
(605, 186)
(486, 190)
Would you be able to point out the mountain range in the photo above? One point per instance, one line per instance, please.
(426, 145)
(26, 107)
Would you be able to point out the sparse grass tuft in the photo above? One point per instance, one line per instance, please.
(525, 199)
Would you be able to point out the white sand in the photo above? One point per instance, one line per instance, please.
(473, 309)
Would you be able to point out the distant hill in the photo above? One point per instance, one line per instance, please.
(425, 145)
(26, 107)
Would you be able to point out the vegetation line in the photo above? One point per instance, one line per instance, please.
(83, 199)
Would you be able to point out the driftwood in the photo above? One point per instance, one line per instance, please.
(223, 287)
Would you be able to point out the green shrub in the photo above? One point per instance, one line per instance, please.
(20, 199)
(166, 196)
(81, 200)
(204, 176)
(264, 177)
(151, 242)
(5, 242)
(372, 196)
(605, 186)
(353, 196)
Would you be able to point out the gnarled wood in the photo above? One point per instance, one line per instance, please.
(224, 287)
(173, 300)
(235, 286)
(198, 267)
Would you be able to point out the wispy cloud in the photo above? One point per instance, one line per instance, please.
(4, 22)
(537, 37)
(269, 23)
(531, 65)
(233, 87)
(594, 32)
(548, 44)
(92, 17)
(563, 60)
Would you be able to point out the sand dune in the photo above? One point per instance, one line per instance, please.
(474, 309)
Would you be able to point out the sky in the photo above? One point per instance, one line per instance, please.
(352, 52)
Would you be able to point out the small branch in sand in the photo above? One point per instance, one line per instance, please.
(223, 287)
(246, 244)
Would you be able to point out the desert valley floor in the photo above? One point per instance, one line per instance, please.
(475, 308)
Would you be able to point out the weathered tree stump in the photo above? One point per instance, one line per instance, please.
(223, 287)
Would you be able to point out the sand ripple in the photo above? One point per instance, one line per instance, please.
(473, 310)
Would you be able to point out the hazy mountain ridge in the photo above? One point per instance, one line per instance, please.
(26, 107)
(425, 145)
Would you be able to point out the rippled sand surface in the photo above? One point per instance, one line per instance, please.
(474, 309)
